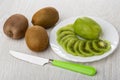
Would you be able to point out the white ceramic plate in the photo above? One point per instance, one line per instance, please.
(109, 33)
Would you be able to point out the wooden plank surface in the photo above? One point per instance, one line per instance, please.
(14, 69)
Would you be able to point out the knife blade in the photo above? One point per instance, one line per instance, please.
(80, 68)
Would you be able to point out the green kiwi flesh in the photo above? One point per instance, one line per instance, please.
(72, 44)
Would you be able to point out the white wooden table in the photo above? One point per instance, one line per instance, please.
(14, 69)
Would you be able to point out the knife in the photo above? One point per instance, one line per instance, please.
(80, 68)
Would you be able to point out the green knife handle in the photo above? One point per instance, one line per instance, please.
(88, 70)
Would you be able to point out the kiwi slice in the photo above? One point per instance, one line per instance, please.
(65, 28)
(64, 44)
(101, 45)
(90, 47)
(104, 45)
(94, 44)
(76, 48)
(83, 50)
(64, 33)
(70, 48)
(60, 40)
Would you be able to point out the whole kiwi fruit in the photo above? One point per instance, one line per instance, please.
(36, 38)
(45, 17)
(16, 26)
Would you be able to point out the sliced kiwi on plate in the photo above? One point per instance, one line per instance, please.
(70, 48)
(60, 40)
(90, 47)
(101, 45)
(76, 48)
(64, 44)
(65, 28)
(64, 33)
(83, 50)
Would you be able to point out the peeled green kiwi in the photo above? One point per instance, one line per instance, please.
(46, 17)
(36, 38)
(87, 28)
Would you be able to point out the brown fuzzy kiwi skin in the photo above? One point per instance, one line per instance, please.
(46, 17)
(16, 26)
(36, 38)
